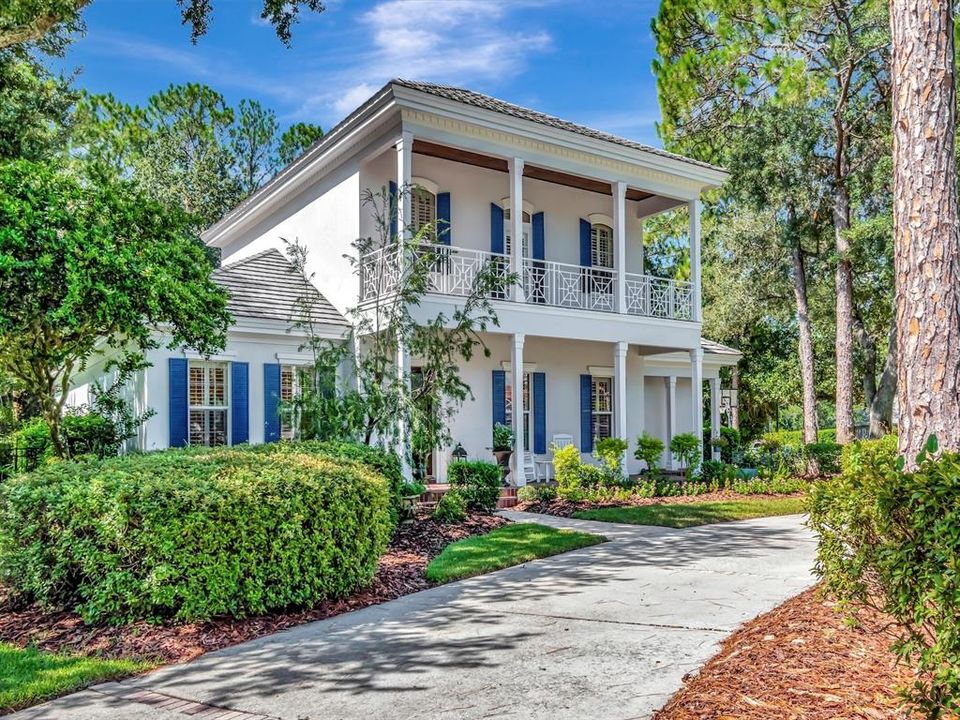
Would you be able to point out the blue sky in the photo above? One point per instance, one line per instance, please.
(584, 61)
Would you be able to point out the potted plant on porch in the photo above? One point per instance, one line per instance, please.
(503, 447)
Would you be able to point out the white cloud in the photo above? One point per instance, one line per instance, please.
(454, 41)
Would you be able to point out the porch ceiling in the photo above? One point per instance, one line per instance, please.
(467, 157)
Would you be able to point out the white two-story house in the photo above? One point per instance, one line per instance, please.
(598, 347)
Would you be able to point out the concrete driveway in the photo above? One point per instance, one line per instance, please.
(607, 632)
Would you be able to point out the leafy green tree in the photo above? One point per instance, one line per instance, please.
(253, 141)
(50, 22)
(90, 268)
(34, 108)
(721, 60)
(296, 139)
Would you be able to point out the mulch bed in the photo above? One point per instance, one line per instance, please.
(799, 661)
(565, 508)
(400, 572)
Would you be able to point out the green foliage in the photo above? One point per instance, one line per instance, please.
(412, 489)
(452, 508)
(793, 439)
(890, 540)
(730, 444)
(95, 268)
(506, 546)
(295, 140)
(686, 448)
(609, 451)
(502, 437)
(566, 468)
(34, 108)
(478, 482)
(825, 456)
(192, 534)
(534, 493)
(650, 450)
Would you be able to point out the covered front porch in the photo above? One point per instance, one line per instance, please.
(581, 390)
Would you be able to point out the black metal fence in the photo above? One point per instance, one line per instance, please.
(16, 459)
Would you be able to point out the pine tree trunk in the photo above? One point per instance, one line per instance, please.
(844, 287)
(806, 347)
(881, 407)
(927, 256)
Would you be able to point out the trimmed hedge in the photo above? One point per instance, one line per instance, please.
(191, 534)
(478, 482)
(793, 439)
(890, 540)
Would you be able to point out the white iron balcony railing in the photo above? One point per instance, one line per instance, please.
(453, 271)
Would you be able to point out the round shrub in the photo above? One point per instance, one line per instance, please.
(452, 508)
(192, 534)
(478, 481)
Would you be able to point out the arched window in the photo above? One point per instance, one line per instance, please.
(601, 245)
(508, 226)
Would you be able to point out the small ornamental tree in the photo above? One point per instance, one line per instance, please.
(650, 450)
(88, 270)
(686, 448)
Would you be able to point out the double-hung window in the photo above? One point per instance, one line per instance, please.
(602, 403)
(209, 402)
(527, 407)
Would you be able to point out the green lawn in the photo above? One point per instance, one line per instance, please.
(503, 547)
(28, 676)
(681, 515)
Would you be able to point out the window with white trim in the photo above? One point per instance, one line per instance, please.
(209, 402)
(508, 232)
(423, 211)
(601, 245)
(602, 403)
(527, 406)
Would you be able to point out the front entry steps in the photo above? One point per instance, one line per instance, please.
(429, 500)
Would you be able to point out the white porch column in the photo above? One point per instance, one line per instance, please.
(403, 431)
(671, 416)
(404, 174)
(516, 225)
(516, 373)
(620, 242)
(696, 380)
(620, 393)
(715, 415)
(695, 275)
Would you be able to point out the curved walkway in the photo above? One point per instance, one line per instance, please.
(606, 632)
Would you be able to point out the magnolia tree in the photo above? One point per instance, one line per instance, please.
(386, 399)
(91, 270)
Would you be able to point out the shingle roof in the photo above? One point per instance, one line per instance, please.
(715, 348)
(267, 286)
(485, 102)
(468, 97)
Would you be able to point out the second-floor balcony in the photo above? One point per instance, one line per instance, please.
(453, 271)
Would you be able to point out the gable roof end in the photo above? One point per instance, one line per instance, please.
(267, 286)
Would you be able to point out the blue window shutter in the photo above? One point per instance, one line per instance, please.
(271, 400)
(538, 237)
(239, 403)
(586, 413)
(394, 209)
(179, 410)
(499, 396)
(585, 258)
(443, 218)
(496, 228)
(539, 413)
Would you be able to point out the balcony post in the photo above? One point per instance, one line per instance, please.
(404, 175)
(403, 429)
(695, 207)
(516, 372)
(516, 225)
(620, 242)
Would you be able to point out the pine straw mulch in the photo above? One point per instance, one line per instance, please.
(400, 572)
(799, 661)
(565, 508)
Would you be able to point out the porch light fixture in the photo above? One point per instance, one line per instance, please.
(459, 453)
